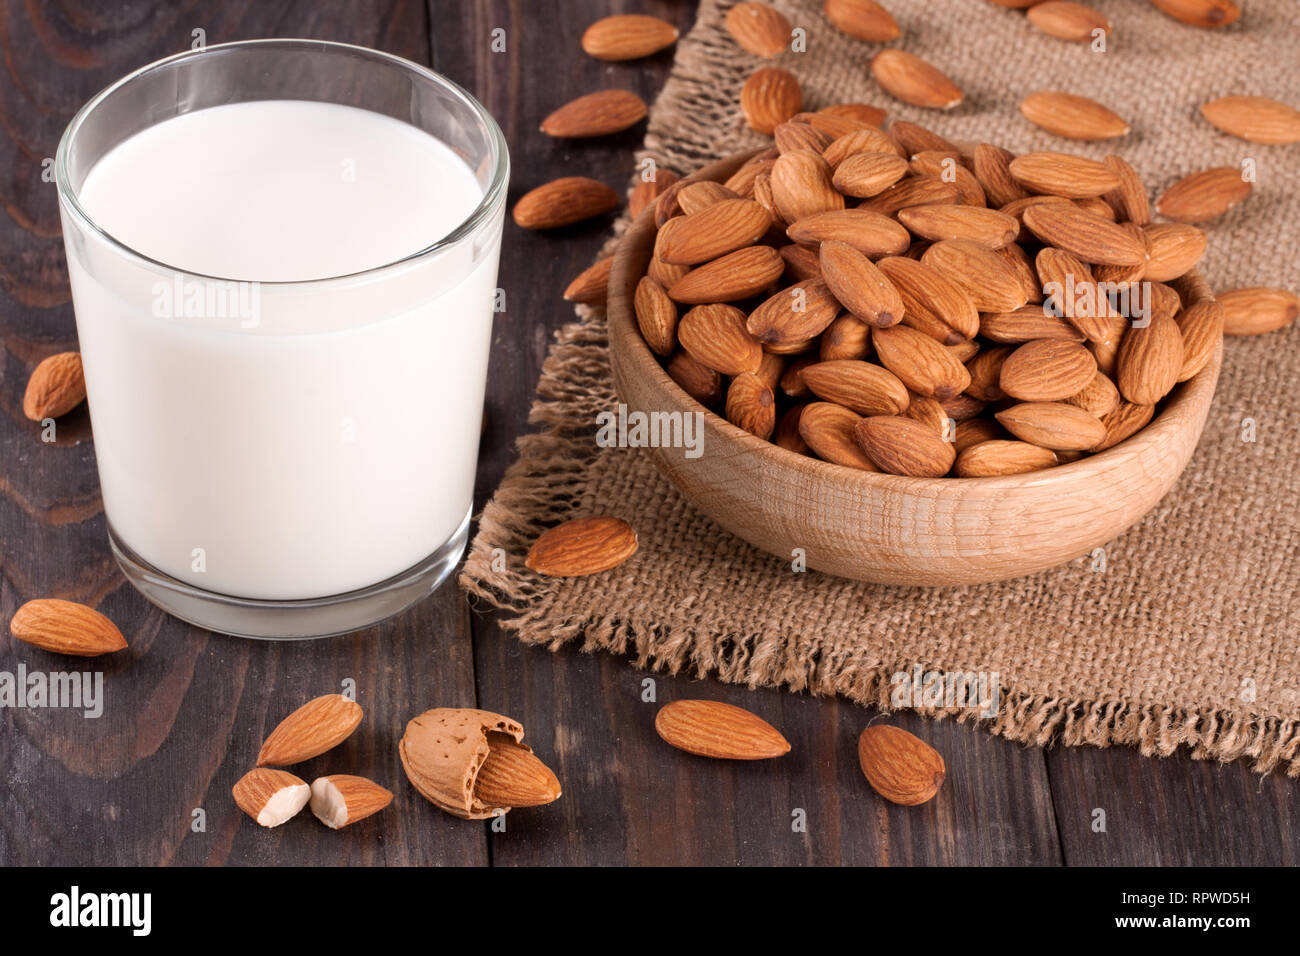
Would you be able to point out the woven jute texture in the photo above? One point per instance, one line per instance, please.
(1186, 632)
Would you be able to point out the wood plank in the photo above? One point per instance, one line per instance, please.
(185, 710)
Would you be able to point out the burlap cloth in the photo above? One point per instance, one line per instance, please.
(1190, 636)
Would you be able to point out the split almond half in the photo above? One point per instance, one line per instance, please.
(270, 797)
(315, 727)
(341, 799)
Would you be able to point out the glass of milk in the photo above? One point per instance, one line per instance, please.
(283, 256)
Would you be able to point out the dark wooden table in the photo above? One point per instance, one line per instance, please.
(187, 709)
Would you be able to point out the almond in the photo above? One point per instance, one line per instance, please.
(858, 142)
(901, 446)
(1099, 397)
(737, 275)
(342, 799)
(859, 285)
(859, 386)
(912, 80)
(1129, 198)
(828, 429)
(712, 232)
(914, 191)
(792, 316)
(1071, 116)
(863, 113)
(1258, 309)
(801, 185)
(590, 286)
(922, 364)
(512, 776)
(915, 138)
(666, 206)
(991, 284)
(628, 36)
(697, 197)
(1201, 326)
(646, 191)
(997, 457)
(787, 432)
(988, 227)
(697, 380)
(65, 627)
(716, 336)
(792, 135)
(1126, 420)
(868, 232)
(656, 316)
(1256, 119)
(1015, 256)
(56, 387)
(1047, 370)
(317, 726)
(1088, 236)
(444, 750)
(1055, 425)
(1200, 13)
(932, 302)
(1173, 249)
(801, 262)
(846, 338)
(711, 728)
(863, 175)
(900, 767)
(985, 370)
(948, 169)
(1063, 175)
(270, 796)
(563, 202)
(596, 114)
(751, 405)
(769, 97)
(992, 167)
(1203, 195)
(1025, 324)
(864, 19)
(1150, 359)
(758, 28)
(1068, 21)
(582, 546)
(667, 276)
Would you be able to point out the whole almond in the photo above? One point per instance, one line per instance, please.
(1099, 397)
(912, 80)
(992, 284)
(1200, 13)
(902, 446)
(864, 19)
(1257, 309)
(56, 387)
(915, 138)
(997, 457)
(1025, 324)
(985, 371)
(1068, 21)
(933, 303)
(859, 285)
(988, 227)
(992, 167)
(647, 190)
(590, 286)
(828, 429)
(1201, 326)
(1047, 370)
(945, 167)
(699, 196)
(761, 29)
(801, 185)
(1072, 116)
(317, 726)
(848, 337)
(737, 275)
(1014, 255)
(582, 546)
(1063, 175)
(912, 191)
(863, 175)
(666, 275)
(1126, 420)
(973, 431)
(696, 379)
(793, 134)
(1088, 236)
(513, 776)
(1150, 359)
(863, 113)
(751, 405)
(787, 432)
(1129, 198)
(900, 766)
(769, 97)
(863, 387)
(1172, 250)
(711, 728)
(271, 797)
(656, 316)
(870, 233)
(801, 262)
(716, 336)
(712, 232)
(861, 141)
(563, 202)
(1055, 425)
(341, 799)
(1204, 195)
(628, 36)
(596, 114)
(793, 315)
(922, 364)
(1256, 119)
(65, 627)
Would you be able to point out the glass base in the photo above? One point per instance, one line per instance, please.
(291, 620)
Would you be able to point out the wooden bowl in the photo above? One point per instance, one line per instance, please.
(886, 528)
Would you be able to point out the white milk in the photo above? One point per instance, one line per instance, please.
(308, 439)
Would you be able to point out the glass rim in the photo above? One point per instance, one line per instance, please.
(492, 195)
